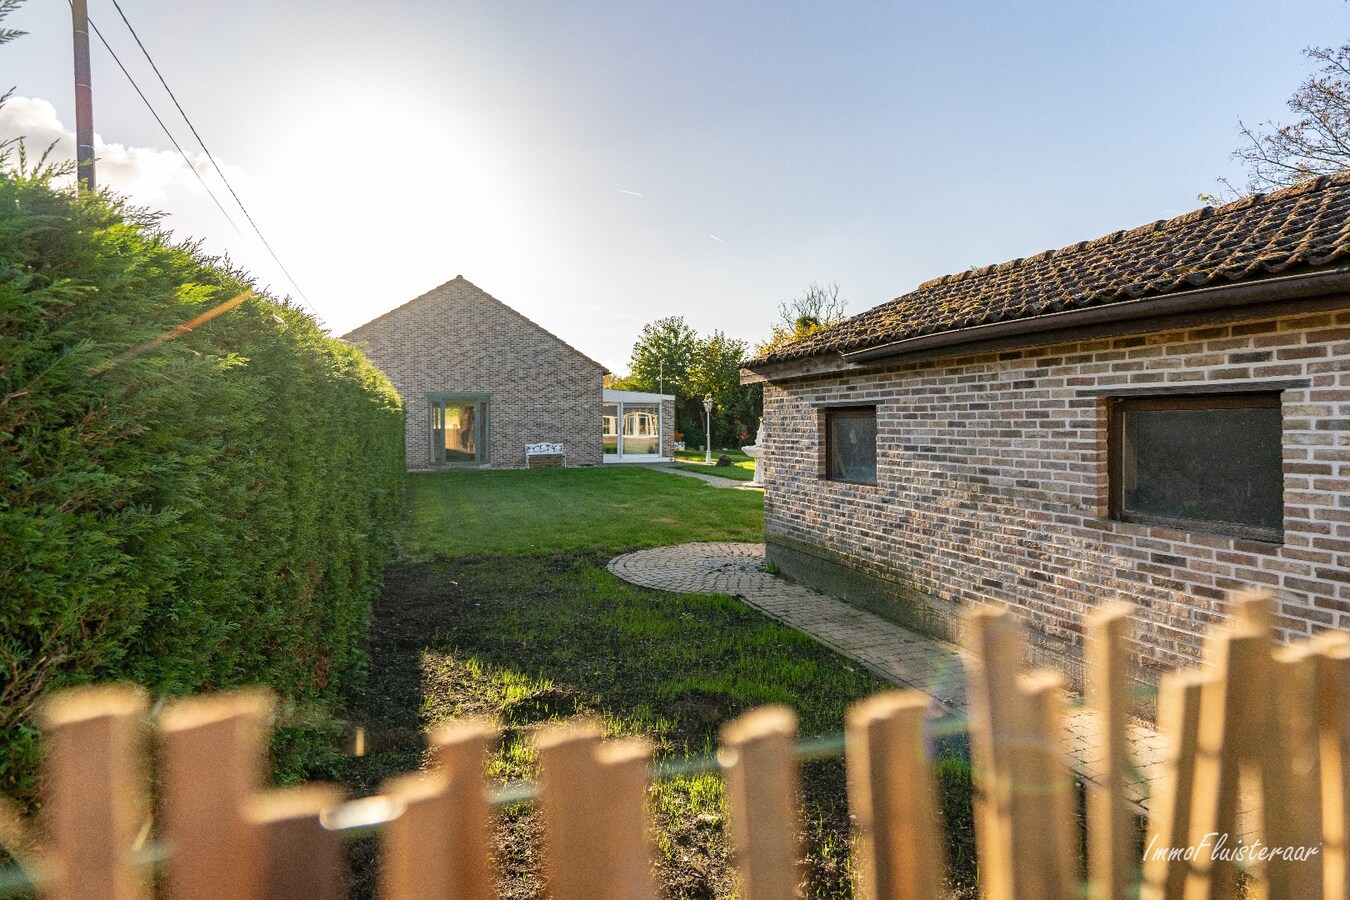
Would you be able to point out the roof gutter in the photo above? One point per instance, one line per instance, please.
(1252, 293)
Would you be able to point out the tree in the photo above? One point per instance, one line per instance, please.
(716, 372)
(662, 357)
(9, 34)
(1318, 143)
(817, 308)
(670, 357)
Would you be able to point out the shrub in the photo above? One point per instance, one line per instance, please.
(194, 514)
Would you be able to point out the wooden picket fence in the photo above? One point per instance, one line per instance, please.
(1269, 722)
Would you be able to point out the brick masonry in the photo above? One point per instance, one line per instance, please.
(459, 339)
(992, 486)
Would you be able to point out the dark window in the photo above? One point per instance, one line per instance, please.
(1203, 463)
(851, 444)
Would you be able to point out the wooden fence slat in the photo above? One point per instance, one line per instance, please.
(595, 820)
(995, 643)
(623, 767)
(415, 854)
(1333, 684)
(763, 790)
(299, 859)
(212, 762)
(460, 750)
(1179, 695)
(569, 798)
(893, 800)
(96, 793)
(1112, 854)
(1234, 654)
(1045, 839)
(1294, 812)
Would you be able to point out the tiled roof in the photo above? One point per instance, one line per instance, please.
(1295, 229)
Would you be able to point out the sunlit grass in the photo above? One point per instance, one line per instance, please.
(517, 618)
(455, 514)
(742, 467)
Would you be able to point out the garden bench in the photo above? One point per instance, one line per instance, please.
(545, 455)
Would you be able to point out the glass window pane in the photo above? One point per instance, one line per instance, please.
(461, 432)
(609, 424)
(437, 431)
(640, 426)
(1218, 465)
(852, 441)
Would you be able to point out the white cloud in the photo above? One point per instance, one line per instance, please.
(150, 177)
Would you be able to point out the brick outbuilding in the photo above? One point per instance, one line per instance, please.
(480, 381)
(1161, 414)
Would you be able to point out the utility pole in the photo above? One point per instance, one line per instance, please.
(84, 96)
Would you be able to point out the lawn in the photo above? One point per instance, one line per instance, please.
(742, 467)
(511, 613)
(456, 514)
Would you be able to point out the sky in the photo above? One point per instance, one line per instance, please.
(601, 165)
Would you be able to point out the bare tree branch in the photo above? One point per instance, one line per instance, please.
(1318, 142)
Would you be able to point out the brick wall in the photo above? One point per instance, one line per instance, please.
(459, 339)
(992, 486)
(668, 428)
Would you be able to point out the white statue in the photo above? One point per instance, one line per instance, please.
(755, 451)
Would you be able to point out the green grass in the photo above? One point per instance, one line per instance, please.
(736, 456)
(535, 638)
(454, 514)
(742, 467)
(502, 606)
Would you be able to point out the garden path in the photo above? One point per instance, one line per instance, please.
(713, 480)
(892, 652)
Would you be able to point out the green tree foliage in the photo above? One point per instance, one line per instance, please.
(662, 357)
(9, 34)
(671, 355)
(817, 308)
(1317, 142)
(716, 372)
(191, 514)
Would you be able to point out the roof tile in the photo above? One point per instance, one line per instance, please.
(1300, 227)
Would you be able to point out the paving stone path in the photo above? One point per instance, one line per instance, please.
(891, 651)
(713, 480)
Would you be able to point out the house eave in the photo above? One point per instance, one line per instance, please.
(1281, 295)
(821, 364)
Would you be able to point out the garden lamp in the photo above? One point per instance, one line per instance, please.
(707, 433)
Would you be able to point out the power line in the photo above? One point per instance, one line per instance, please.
(212, 158)
(165, 128)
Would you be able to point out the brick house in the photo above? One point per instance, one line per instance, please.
(480, 381)
(1161, 413)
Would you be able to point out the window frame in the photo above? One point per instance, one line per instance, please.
(484, 421)
(827, 415)
(1119, 406)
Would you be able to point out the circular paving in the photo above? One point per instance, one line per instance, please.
(701, 568)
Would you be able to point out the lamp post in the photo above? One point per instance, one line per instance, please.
(707, 431)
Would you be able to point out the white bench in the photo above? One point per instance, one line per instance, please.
(546, 454)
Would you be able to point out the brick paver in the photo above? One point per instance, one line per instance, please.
(891, 651)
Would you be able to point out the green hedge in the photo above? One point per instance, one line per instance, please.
(212, 511)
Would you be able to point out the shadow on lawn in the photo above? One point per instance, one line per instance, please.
(538, 638)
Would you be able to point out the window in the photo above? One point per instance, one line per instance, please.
(851, 444)
(459, 424)
(1200, 463)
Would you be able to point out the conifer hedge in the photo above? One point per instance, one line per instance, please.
(201, 513)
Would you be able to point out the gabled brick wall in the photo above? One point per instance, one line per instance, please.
(459, 339)
(992, 486)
